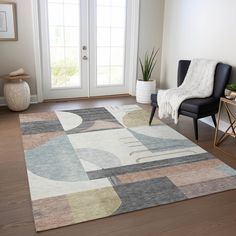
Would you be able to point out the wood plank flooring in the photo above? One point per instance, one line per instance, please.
(213, 215)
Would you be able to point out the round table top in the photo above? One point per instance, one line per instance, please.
(18, 77)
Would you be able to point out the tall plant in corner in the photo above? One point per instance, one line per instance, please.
(146, 86)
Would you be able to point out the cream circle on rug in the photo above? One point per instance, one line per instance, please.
(69, 120)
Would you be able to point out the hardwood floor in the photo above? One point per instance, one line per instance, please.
(211, 215)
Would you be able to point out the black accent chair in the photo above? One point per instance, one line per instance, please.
(198, 108)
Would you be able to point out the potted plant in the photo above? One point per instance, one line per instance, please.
(230, 91)
(146, 86)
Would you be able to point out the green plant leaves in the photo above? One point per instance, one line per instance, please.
(231, 87)
(148, 65)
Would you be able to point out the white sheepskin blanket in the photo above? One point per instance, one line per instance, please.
(198, 83)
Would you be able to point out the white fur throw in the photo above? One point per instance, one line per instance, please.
(198, 83)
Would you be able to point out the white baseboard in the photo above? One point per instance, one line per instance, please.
(223, 125)
(33, 100)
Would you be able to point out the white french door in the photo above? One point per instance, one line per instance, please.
(85, 47)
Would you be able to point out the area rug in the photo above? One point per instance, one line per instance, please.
(92, 163)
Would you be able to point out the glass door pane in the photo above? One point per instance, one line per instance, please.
(110, 38)
(64, 43)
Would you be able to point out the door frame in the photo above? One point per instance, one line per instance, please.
(133, 55)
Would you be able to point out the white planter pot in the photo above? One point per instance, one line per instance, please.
(227, 92)
(144, 89)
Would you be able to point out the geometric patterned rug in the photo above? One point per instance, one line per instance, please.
(92, 163)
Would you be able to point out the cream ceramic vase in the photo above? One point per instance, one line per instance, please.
(17, 95)
(144, 89)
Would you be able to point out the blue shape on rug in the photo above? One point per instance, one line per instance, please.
(100, 158)
(154, 144)
(56, 160)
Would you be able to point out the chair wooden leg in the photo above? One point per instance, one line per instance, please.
(214, 120)
(152, 114)
(195, 124)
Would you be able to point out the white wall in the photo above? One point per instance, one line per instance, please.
(16, 54)
(197, 29)
(151, 30)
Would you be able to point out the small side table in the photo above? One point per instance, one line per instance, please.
(16, 92)
(231, 130)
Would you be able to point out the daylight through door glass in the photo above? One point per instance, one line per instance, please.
(111, 25)
(64, 37)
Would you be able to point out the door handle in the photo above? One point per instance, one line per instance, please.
(84, 48)
(85, 58)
